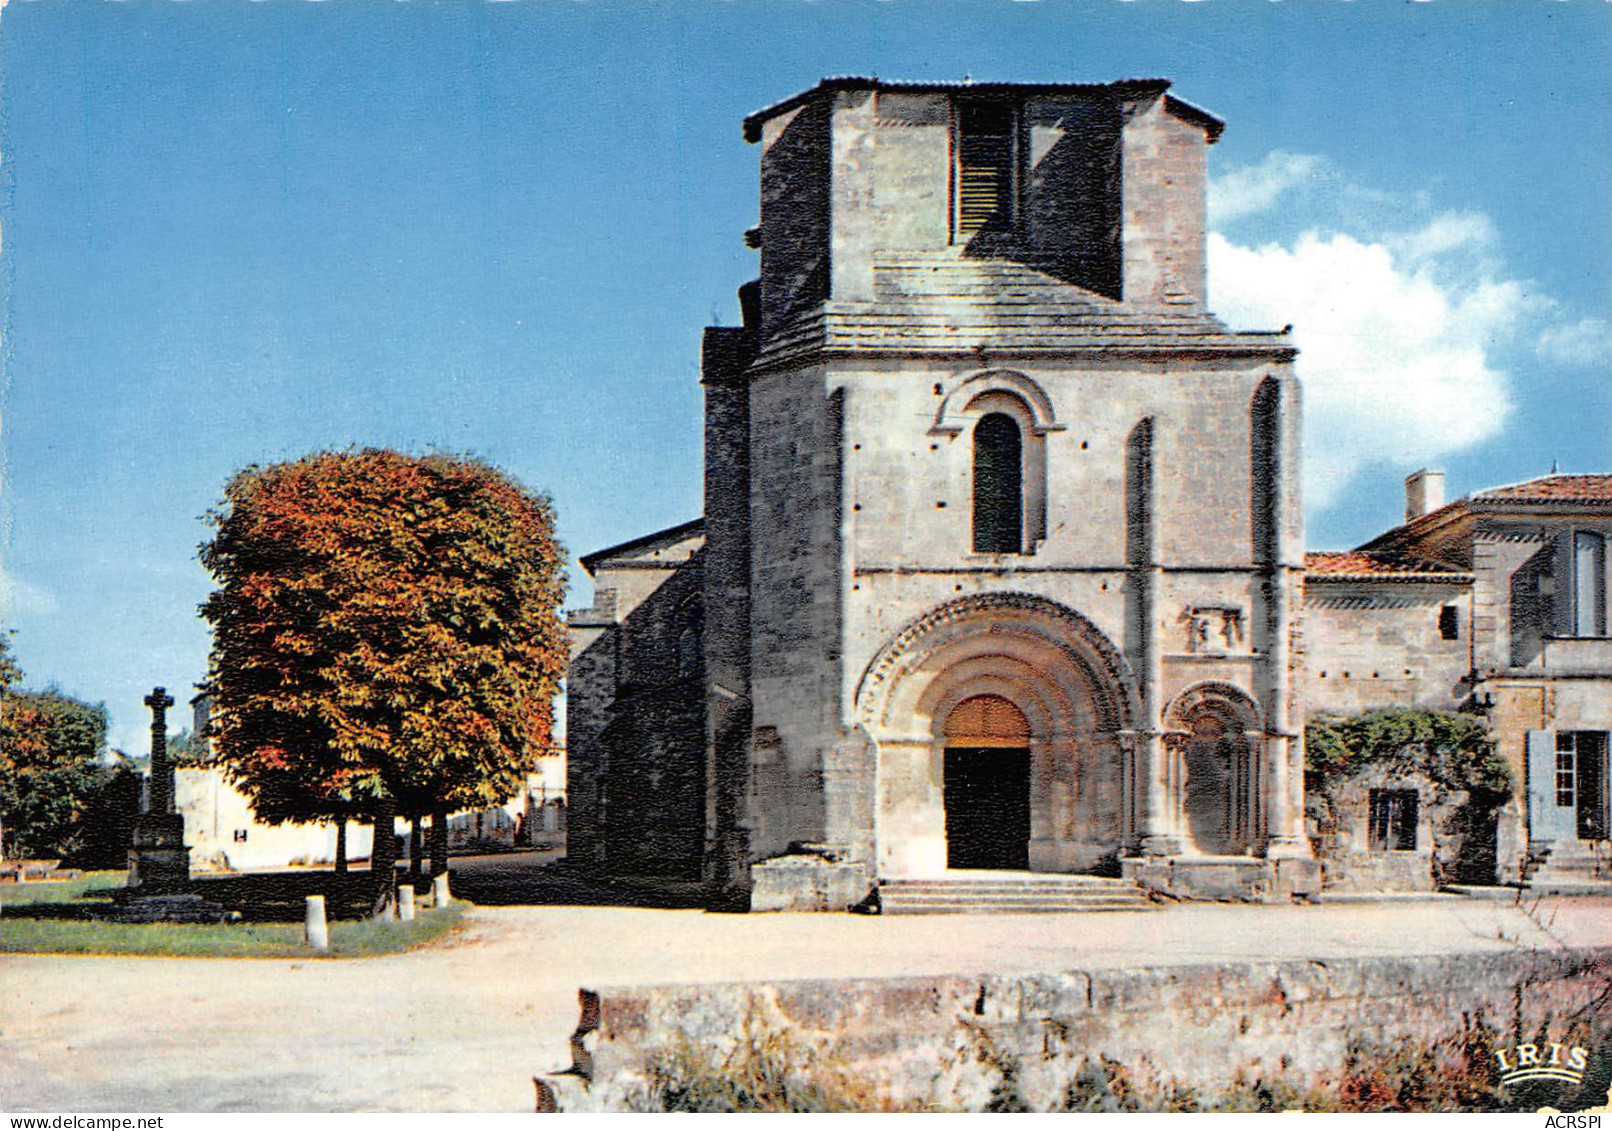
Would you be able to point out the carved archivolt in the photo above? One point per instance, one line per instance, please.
(950, 418)
(1007, 616)
(1232, 703)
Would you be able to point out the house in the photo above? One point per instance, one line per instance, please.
(1495, 603)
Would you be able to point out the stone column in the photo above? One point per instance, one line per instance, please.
(159, 862)
(161, 796)
(1276, 425)
(1160, 832)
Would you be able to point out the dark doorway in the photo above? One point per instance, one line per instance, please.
(987, 795)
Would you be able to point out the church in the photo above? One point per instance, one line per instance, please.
(1001, 571)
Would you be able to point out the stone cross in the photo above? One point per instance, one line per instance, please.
(162, 773)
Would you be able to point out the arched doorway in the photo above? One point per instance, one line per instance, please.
(956, 690)
(986, 785)
(1217, 769)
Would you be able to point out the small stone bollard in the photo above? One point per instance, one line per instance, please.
(318, 930)
(405, 902)
(439, 891)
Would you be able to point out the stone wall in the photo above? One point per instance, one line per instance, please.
(794, 212)
(1351, 863)
(960, 1043)
(909, 486)
(795, 602)
(1163, 173)
(1373, 644)
(635, 721)
(726, 577)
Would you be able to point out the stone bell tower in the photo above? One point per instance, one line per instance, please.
(1002, 525)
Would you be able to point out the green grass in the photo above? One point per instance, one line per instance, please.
(22, 933)
(61, 891)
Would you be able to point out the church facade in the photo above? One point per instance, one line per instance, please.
(1001, 565)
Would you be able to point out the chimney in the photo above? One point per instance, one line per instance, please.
(1424, 493)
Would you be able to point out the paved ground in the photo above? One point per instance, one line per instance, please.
(464, 1027)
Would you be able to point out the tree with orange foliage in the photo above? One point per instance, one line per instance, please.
(51, 768)
(386, 634)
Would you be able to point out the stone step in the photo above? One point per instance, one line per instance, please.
(1569, 885)
(1007, 893)
(887, 897)
(979, 905)
(1569, 863)
(1118, 887)
(966, 877)
(1022, 907)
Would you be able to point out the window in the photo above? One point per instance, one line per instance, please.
(688, 653)
(1393, 820)
(1449, 623)
(1566, 764)
(985, 145)
(240, 836)
(1589, 583)
(998, 485)
(691, 639)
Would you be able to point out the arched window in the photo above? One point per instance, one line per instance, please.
(998, 485)
(690, 641)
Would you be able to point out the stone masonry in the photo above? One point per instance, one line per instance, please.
(1001, 564)
(1139, 618)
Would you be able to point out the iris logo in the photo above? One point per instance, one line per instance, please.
(1550, 1061)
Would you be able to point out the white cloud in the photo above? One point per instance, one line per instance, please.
(1584, 344)
(1445, 234)
(23, 598)
(1396, 335)
(1256, 188)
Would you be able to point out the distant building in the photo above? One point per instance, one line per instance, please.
(535, 818)
(224, 833)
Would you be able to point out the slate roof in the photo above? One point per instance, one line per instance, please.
(1359, 565)
(951, 302)
(1123, 88)
(670, 536)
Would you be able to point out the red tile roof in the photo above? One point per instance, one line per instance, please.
(1552, 489)
(1358, 565)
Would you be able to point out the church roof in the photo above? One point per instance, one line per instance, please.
(635, 547)
(1360, 565)
(1123, 88)
(951, 302)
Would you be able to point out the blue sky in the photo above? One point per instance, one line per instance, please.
(238, 232)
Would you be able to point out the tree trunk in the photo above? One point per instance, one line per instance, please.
(415, 849)
(341, 845)
(439, 842)
(383, 860)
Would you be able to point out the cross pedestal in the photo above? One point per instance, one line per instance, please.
(159, 862)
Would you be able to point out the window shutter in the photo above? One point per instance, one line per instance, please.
(984, 167)
(1546, 820)
(981, 182)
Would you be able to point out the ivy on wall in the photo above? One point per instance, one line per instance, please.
(1453, 750)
